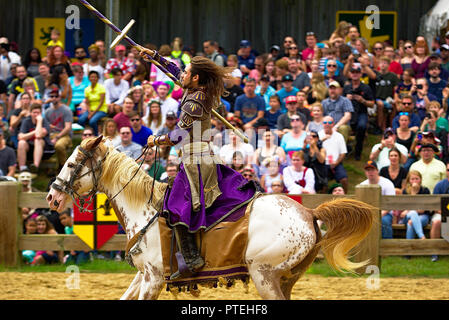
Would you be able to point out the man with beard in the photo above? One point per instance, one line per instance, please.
(202, 179)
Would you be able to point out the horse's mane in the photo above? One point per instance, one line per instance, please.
(118, 169)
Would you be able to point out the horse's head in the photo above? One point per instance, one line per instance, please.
(80, 174)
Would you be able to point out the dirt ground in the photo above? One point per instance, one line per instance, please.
(47, 286)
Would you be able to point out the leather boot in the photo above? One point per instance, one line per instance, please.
(189, 250)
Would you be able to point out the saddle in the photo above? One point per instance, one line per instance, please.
(223, 248)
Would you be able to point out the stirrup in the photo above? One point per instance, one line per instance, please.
(184, 270)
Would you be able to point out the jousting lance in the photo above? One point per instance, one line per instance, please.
(122, 35)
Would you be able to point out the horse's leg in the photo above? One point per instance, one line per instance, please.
(267, 281)
(287, 285)
(133, 289)
(152, 283)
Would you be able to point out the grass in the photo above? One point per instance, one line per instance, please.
(390, 267)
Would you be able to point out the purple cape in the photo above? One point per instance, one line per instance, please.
(178, 200)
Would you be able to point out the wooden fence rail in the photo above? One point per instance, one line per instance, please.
(12, 241)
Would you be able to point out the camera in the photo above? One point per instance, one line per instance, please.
(419, 136)
(428, 115)
(356, 57)
(419, 86)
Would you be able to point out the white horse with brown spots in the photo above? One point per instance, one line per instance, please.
(283, 238)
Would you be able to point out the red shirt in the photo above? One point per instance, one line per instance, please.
(122, 120)
(396, 67)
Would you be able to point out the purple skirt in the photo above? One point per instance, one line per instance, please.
(229, 205)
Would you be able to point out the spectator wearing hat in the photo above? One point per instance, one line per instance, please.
(116, 91)
(60, 118)
(7, 158)
(335, 146)
(336, 189)
(436, 84)
(246, 57)
(284, 121)
(249, 107)
(431, 169)
(380, 151)
(362, 98)
(339, 108)
(274, 51)
(122, 62)
(287, 90)
(167, 103)
(265, 90)
(387, 189)
(170, 123)
(444, 53)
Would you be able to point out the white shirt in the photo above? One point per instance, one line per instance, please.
(5, 64)
(291, 176)
(116, 93)
(227, 151)
(383, 160)
(386, 185)
(334, 146)
(169, 104)
(99, 68)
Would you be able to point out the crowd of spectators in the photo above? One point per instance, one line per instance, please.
(306, 108)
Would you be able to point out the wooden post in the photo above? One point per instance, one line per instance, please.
(369, 248)
(9, 224)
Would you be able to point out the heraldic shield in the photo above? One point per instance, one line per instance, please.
(97, 224)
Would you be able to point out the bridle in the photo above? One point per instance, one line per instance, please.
(67, 186)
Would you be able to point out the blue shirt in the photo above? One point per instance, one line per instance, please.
(289, 144)
(272, 118)
(441, 187)
(78, 91)
(270, 91)
(248, 62)
(283, 94)
(141, 137)
(437, 89)
(249, 107)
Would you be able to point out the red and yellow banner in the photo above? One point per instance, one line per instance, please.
(97, 227)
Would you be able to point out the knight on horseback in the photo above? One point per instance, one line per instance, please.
(203, 177)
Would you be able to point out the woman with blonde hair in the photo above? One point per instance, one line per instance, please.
(415, 220)
(341, 31)
(319, 90)
(137, 95)
(155, 121)
(110, 131)
(233, 63)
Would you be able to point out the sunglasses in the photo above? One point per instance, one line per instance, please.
(134, 120)
(407, 103)
(328, 122)
(378, 49)
(53, 96)
(310, 33)
(295, 119)
(293, 48)
(247, 175)
(125, 132)
(408, 47)
(314, 136)
(404, 114)
(332, 65)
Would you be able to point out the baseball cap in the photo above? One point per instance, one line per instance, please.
(275, 47)
(262, 122)
(370, 164)
(265, 78)
(245, 44)
(287, 77)
(291, 99)
(389, 131)
(24, 176)
(356, 67)
(335, 185)
(445, 47)
(54, 90)
(334, 84)
(171, 115)
(120, 47)
(429, 145)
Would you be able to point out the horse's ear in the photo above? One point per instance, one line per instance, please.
(96, 142)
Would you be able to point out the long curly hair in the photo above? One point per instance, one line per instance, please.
(211, 77)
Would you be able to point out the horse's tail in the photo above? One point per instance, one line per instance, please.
(348, 222)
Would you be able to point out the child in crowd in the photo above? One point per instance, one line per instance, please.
(30, 228)
(273, 174)
(274, 112)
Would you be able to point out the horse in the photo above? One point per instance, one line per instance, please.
(283, 236)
